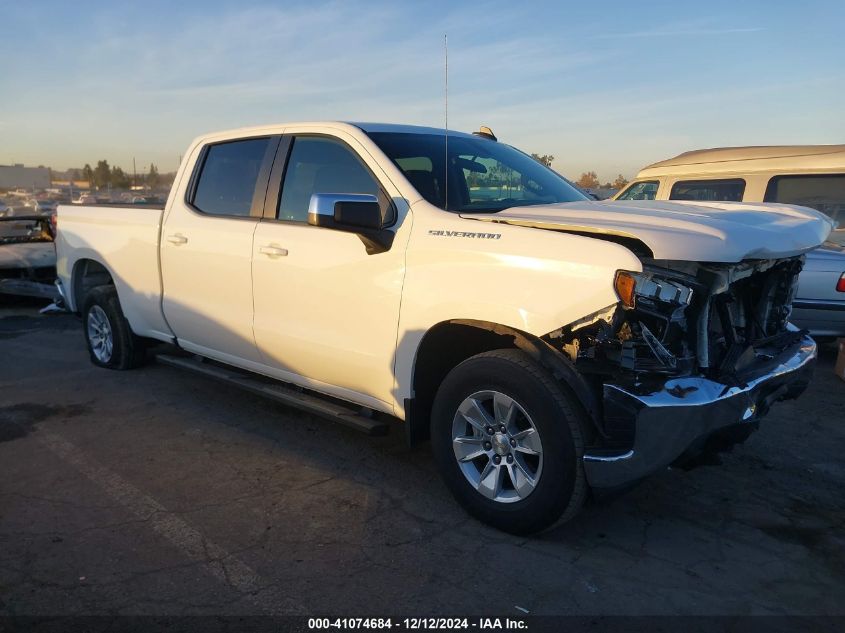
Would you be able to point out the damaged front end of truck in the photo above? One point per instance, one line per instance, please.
(690, 351)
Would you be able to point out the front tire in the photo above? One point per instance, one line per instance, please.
(508, 442)
(111, 343)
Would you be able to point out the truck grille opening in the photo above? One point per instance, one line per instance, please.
(737, 313)
(734, 321)
(747, 319)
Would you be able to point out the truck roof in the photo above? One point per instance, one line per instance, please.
(353, 128)
(750, 158)
(405, 129)
(349, 125)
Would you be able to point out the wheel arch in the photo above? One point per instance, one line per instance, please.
(448, 343)
(87, 274)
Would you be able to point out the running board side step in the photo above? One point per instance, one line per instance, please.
(280, 392)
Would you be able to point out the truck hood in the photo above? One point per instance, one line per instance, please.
(686, 231)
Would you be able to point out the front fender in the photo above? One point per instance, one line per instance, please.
(528, 279)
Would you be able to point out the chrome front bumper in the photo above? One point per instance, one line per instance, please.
(668, 419)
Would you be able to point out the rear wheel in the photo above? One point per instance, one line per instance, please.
(110, 340)
(508, 442)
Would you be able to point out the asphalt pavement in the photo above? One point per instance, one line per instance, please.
(159, 492)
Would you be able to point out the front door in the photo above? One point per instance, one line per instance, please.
(326, 312)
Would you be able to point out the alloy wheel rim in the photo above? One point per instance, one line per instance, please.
(100, 335)
(497, 446)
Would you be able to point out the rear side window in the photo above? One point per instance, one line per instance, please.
(825, 193)
(226, 183)
(709, 190)
(645, 190)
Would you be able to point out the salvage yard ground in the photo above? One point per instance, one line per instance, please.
(159, 492)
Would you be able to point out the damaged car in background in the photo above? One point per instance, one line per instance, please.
(28, 256)
(550, 346)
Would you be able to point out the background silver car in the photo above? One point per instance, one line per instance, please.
(819, 304)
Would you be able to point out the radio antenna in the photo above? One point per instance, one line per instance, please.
(446, 116)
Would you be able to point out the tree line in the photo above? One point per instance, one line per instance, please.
(104, 176)
(589, 179)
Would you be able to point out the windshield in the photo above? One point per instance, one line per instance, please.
(484, 176)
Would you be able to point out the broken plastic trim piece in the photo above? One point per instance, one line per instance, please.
(661, 353)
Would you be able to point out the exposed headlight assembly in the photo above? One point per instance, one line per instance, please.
(630, 285)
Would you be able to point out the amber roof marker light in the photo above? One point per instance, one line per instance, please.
(486, 132)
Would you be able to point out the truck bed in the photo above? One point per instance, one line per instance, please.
(126, 239)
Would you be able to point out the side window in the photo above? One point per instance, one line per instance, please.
(322, 165)
(709, 190)
(419, 171)
(825, 193)
(226, 182)
(644, 190)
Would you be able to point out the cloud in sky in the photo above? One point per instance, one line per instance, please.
(124, 81)
(681, 30)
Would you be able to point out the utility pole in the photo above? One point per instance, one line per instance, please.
(134, 173)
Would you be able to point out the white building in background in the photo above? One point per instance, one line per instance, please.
(18, 176)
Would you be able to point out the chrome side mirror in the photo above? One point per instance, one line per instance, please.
(358, 213)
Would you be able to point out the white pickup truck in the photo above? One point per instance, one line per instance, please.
(550, 346)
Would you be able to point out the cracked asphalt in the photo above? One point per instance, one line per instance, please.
(156, 492)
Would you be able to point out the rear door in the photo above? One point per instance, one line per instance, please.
(326, 312)
(206, 249)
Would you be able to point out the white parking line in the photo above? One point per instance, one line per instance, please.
(217, 561)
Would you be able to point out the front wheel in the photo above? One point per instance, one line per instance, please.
(508, 442)
(111, 343)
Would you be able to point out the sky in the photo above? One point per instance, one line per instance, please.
(602, 86)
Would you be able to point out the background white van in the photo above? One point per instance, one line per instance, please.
(809, 175)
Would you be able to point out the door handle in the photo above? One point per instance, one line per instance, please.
(177, 239)
(273, 251)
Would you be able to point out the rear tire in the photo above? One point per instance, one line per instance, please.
(111, 343)
(525, 475)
